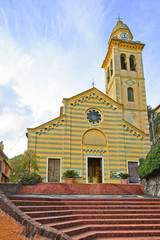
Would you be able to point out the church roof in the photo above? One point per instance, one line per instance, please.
(120, 25)
(92, 91)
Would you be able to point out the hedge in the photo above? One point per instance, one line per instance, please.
(150, 164)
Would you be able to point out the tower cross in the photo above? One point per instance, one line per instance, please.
(119, 18)
(93, 83)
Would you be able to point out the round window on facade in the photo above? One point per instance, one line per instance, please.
(93, 116)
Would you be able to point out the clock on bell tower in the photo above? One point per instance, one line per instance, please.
(124, 75)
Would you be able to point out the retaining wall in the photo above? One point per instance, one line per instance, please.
(151, 185)
(10, 188)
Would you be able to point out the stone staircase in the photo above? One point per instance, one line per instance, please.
(96, 218)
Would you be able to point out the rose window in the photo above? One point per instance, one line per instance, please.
(93, 116)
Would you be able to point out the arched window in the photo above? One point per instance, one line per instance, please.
(123, 61)
(111, 68)
(130, 94)
(108, 76)
(132, 63)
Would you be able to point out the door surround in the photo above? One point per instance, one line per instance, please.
(92, 156)
(60, 159)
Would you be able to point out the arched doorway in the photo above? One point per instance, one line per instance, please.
(95, 142)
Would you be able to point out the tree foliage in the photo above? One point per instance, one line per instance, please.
(150, 164)
(15, 164)
(29, 161)
(24, 163)
(150, 110)
(155, 123)
(31, 178)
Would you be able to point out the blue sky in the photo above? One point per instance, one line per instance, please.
(51, 49)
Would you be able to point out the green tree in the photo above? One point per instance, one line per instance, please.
(24, 163)
(29, 161)
(150, 110)
(15, 163)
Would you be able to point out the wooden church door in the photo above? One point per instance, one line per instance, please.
(132, 171)
(53, 170)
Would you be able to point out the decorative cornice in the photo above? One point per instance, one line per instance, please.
(94, 150)
(133, 130)
(51, 126)
(93, 96)
(128, 129)
(121, 43)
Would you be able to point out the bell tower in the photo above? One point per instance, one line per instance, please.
(124, 77)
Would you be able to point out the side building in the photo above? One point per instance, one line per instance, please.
(5, 169)
(97, 134)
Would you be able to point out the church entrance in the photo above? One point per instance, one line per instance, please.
(94, 170)
(53, 170)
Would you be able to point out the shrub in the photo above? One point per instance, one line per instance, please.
(31, 178)
(124, 175)
(150, 164)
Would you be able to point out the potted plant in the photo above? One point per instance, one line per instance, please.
(69, 175)
(124, 177)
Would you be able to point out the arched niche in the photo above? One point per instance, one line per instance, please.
(94, 137)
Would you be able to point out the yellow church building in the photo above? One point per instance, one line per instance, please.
(100, 134)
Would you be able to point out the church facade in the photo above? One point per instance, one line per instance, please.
(100, 135)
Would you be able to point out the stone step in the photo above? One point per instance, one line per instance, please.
(119, 227)
(68, 216)
(79, 198)
(100, 218)
(92, 207)
(89, 210)
(129, 238)
(116, 222)
(80, 202)
(119, 235)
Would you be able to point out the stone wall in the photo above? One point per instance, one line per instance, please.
(14, 224)
(151, 185)
(10, 188)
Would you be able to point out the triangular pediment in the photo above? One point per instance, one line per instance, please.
(49, 125)
(92, 93)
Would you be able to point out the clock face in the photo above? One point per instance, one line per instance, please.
(93, 116)
(124, 36)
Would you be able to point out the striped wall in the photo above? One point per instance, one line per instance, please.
(63, 137)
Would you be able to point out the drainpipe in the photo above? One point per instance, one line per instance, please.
(152, 122)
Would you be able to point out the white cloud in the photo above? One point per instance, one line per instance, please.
(41, 77)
